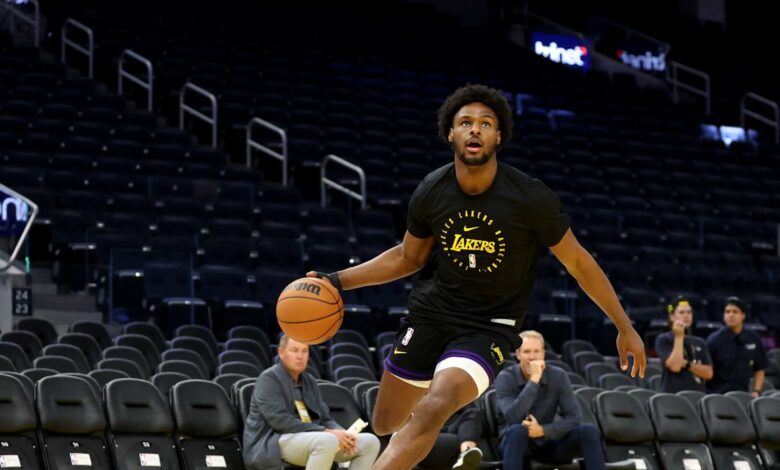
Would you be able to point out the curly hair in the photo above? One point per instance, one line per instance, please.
(490, 97)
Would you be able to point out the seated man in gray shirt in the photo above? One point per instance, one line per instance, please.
(289, 422)
(529, 396)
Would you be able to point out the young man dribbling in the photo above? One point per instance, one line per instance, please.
(474, 230)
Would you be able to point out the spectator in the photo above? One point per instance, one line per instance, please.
(289, 422)
(686, 359)
(529, 397)
(737, 354)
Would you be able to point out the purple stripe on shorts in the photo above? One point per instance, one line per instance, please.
(404, 373)
(470, 355)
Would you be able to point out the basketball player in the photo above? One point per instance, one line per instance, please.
(487, 220)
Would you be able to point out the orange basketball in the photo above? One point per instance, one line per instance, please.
(310, 310)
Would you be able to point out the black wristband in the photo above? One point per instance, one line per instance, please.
(333, 278)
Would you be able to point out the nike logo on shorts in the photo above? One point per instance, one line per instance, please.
(398, 352)
(469, 229)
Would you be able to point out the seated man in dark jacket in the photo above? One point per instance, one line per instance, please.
(289, 422)
(529, 396)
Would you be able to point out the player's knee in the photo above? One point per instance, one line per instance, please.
(384, 423)
(434, 410)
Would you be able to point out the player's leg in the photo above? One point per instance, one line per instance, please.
(394, 403)
(451, 389)
(409, 369)
(464, 371)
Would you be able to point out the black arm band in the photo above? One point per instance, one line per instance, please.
(332, 277)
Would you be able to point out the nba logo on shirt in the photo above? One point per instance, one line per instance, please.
(407, 336)
(472, 260)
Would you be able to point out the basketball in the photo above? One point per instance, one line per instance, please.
(310, 310)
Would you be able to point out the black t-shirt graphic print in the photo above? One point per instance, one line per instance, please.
(487, 245)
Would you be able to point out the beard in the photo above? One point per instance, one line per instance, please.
(476, 160)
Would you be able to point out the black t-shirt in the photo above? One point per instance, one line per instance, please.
(488, 246)
(694, 350)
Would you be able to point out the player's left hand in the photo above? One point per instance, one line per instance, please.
(629, 342)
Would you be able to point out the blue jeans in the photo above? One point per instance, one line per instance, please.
(584, 440)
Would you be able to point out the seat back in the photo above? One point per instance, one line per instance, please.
(206, 424)
(37, 374)
(128, 367)
(742, 397)
(29, 386)
(595, 370)
(40, 327)
(343, 408)
(104, 376)
(18, 422)
(245, 400)
(241, 356)
(199, 331)
(730, 431)
(131, 354)
(15, 354)
(765, 412)
(143, 344)
(693, 396)
(643, 395)
(614, 380)
(30, 343)
(71, 352)
(164, 382)
(252, 347)
(181, 354)
(94, 329)
(140, 424)
(573, 346)
(626, 429)
(190, 369)
(62, 365)
(583, 358)
(94, 385)
(680, 432)
(88, 345)
(150, 330)
(245, 369)
(72, 422)
(199, 346)
(226, 381)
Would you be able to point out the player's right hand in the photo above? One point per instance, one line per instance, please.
(629, 342)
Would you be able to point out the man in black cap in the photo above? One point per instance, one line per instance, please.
(737, 354)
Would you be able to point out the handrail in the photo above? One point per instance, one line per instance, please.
(251, 144)
(34, 22)
(325, 182)
(148, 85)
(89, 51)
(209, 120)
(744, 113)
(27, 227)
(677, 84)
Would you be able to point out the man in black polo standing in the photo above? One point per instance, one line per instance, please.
(737, 354)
